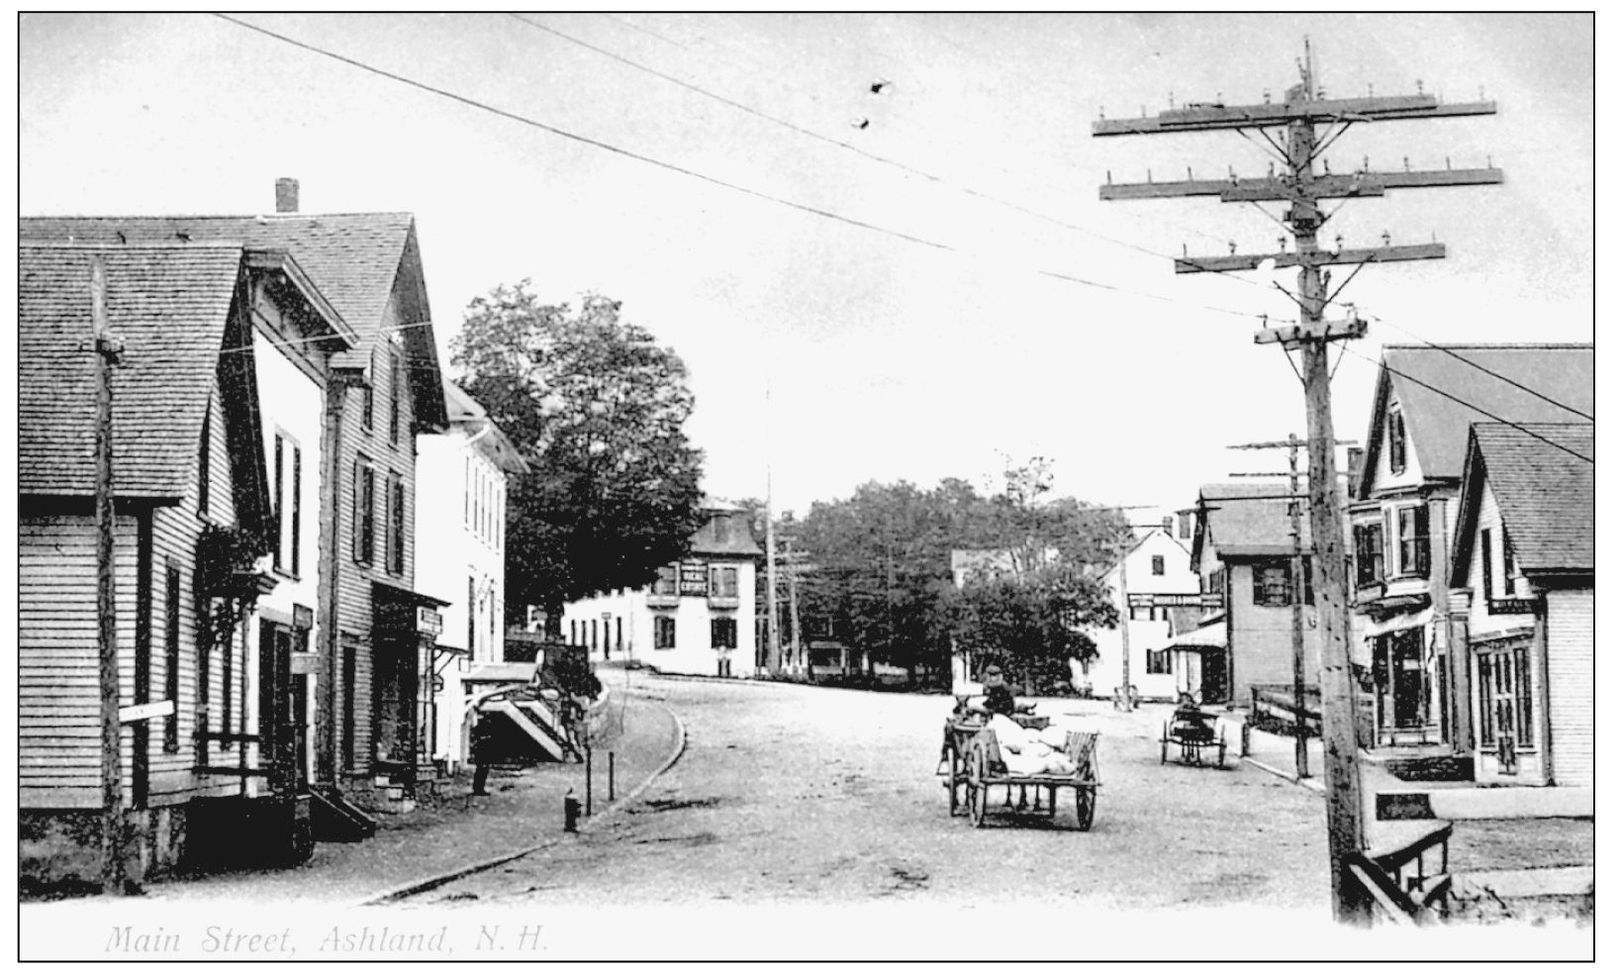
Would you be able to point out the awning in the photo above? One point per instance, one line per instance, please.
(1205, 638)
(1398, 622)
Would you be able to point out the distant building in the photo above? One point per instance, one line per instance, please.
(461, 487)
(697, 617)
(1158, 571)
(1523, 573)
(1243, 551)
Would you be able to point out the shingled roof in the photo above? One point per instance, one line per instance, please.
(169, 304)
(1247, 520)
(1436, 425)
(1545, 493)
(353, 259)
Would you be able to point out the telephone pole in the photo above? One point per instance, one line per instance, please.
(1301, 737)
(1303, 188)
(104, 355)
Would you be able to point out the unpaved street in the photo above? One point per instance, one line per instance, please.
(809, 795)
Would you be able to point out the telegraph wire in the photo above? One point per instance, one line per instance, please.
(675, 168)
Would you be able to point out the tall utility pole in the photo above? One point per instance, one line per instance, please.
(772, 638)
(796, 644)
(1303, 189)
(1123, 699)
(104, 356)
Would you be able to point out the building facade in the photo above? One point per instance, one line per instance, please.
(696, 618)
(216, 428)
(1150, 582)
(1414, 686)
(373, 633)
(1523, 572)
(461, 537)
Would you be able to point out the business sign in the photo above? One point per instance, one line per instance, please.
(429, 621)
(303, 618)
(1140, 600)
(694, 579)
(140, 713)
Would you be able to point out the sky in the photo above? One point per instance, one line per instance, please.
(923, 335)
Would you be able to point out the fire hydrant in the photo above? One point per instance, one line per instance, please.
(570, 812)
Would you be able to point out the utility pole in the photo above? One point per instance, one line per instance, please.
(1123, 701)
(105, 354)
(796, 644)
(1302, 188)
(772, 638)
(1301, 738)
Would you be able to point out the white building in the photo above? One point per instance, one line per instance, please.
(461, 485)
(1152, 579)
(696, 618)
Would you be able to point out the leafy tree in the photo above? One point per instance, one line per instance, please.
(1031, 623)
(598, 409)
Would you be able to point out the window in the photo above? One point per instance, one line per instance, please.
(1273, 586)
(618, 633)
(1505, 705)
(350, 653)
(1158, 565)
(278, 503)
(593, 644)
(1509, 568)
(287, 515)
(171, 658)
(1486, 555)
(365, 511)
(472, 627)
(1396, 426)
(1368, 553)
(396, 371)
(1157, 662)
(204, 462)
(722, 582)
(663, 633)
(368, 396)
(668, 581)
(1413, 523)
(722, 630)
(396, 524)
(1214, 589)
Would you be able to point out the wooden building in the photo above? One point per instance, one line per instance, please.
(373, 633)
(209, 546)
(1523, 572)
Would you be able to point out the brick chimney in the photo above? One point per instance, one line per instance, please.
(286, 195)
(1357, 459)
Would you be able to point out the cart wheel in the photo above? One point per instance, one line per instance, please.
(955, 780)
(977, 789)
(1085, 805)
(1163, 750)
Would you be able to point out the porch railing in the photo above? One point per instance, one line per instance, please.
(1402, 884)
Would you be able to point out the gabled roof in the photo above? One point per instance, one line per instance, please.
(1546, 496)
(353, 259)
(463, 409)
(1247, 520)
(1436, 426)
(170, 305)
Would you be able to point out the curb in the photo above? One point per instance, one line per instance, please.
(1312, 784)
(429, 883)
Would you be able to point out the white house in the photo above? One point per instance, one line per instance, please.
(1154, 577)
(461, 485)
(1523, 577)
(696, 618)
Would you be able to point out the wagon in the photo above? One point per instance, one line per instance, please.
(1192, 732)
(959, 730)
(986, 770)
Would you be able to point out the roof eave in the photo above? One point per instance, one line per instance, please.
(282, 261)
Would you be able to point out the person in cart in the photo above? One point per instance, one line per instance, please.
(1190, 721)
(998, 698)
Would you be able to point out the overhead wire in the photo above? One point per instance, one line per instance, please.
(676, 168)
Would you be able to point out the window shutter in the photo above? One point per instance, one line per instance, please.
(1422, 539)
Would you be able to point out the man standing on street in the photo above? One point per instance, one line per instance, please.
(480, 754)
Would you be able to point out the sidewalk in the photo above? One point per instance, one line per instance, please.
(455, 831)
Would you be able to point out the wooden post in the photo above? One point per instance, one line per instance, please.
(1301, 735)
(104, 355)
(1124, 627)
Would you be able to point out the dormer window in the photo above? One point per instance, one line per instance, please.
(1396, 439)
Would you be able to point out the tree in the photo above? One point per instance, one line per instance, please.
(598, 409)
(1032, 622)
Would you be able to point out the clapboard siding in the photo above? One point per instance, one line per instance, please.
(1570, 662)
(58, 673)
(354, 611)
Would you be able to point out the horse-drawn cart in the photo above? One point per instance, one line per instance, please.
(987, 768)
(959, 729)
(1192, 731)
